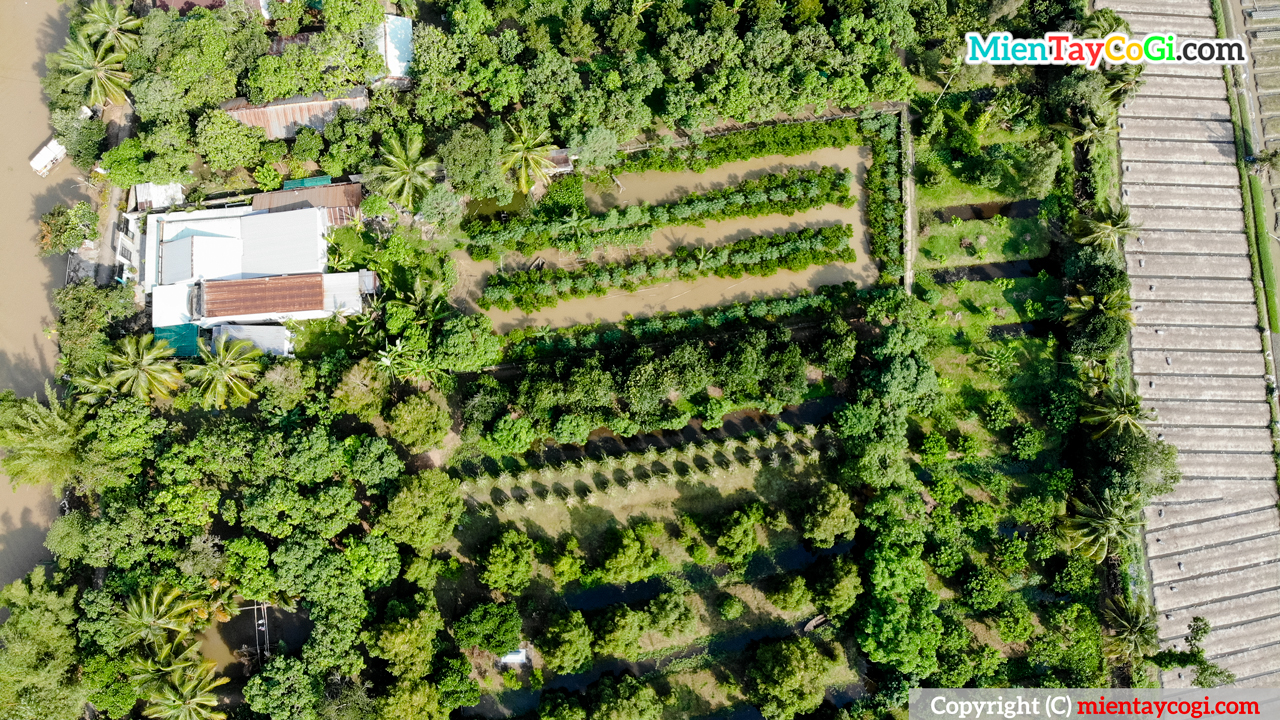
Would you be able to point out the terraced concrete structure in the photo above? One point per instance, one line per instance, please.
(1213, 543)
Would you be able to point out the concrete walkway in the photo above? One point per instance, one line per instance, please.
(1213, 543)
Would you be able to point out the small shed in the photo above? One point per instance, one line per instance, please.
(184, 339)
(515, 657)
(150, 196)
(394, 40)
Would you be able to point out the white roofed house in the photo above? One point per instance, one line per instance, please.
(394, 40)
(245, 266)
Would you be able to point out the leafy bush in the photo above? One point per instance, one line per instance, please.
(933, 448)
(64, 229)
(1028, 443)
(790, 192)
(885, 209)
(790, 594)
(713, 152)
(420, 422)
(731, 608)
(490, 626)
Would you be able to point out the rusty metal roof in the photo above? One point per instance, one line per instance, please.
(282, 118)
(340, 201)
(277, 294)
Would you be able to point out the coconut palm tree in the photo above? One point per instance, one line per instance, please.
(187, 695)
(114, 24)
(1123, 82)
(1116, 409)
(1076, 307)
(529, 156)
(40, 441)
(101, 68)
(140, 366)
(1106, 228)
(1133, 623)
(403, 174)
(1105, 22)
(149, 616)
(227, 371)
(425, 304)
(149, 669)
(1095, 531)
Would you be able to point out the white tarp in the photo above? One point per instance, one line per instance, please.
(270, 339)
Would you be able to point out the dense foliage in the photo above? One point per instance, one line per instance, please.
(763, 255)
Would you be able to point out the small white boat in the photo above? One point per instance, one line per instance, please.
(48, 158)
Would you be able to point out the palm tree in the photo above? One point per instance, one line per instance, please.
(1096, 531)
(101, 68)
(529, 156)
(1116, 304)
(1105, 22)
(150, 616)
(1091, 129)
(426, 303)
(403, 174)
(187, 695)
(1134, 623)
(1123, 82)
(149, 669)
(141, 367)
(41, 440)
(227, 372)
(1106, 228)
(113, 23)
(1116, 409)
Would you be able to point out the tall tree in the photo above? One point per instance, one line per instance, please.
(1133, 625)
(1096, 531)
(1107, 228)
(187, 694)
(1117, 410)
(529, 156)
(141, 367)
(38, 653)
(113, 23)
(41, 441)
(99, 68)
(403, 174)
(149, 616)
(227, 371)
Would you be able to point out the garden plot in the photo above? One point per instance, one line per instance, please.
(677, 296)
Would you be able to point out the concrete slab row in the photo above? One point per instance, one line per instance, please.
(1191, 8)
(1233, 503)
(1176, 108)
(1180, 70)
(1212, 290)
(1162, 362)
(1223, 531)
(1167, 265)
(1210, 88)
(1242, 637)
(1215, 413)
(1220, 613)
(1178, 151)
(1185, 27)
(1180, 174)
(1184, 593)
(1201, 130)
(1218, 340)
(1191, 196)
(1215, 559)
(1204, 439)
(1201, 387)
(1202, 219)
(1195, 313)
(1189, 243)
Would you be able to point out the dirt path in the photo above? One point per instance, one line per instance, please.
(705, 292)
(28, 30)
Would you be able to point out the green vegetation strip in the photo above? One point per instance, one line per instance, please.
(761, 256)
(1266, 262)
(712, 152)
(783, 193)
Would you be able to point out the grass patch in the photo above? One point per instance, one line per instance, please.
(1265, 260)
(954, 191)
(973, 242)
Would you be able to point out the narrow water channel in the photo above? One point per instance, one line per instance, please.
(28, 30)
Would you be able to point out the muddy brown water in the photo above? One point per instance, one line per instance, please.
(654, 187)
(28, 30)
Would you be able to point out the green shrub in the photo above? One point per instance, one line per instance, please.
(1000, 413)
(490, 626)
(1028, 443)
(421, 422)
(731, 608)
(933, 449)
(513, 435)
(713, 152)
(64, 229)
(790, 594)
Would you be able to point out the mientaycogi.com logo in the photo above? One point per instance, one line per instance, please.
(1001, 48)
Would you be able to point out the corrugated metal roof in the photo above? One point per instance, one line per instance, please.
(282, 118)
(176, 261)
(284, 243)
(279, 294)
(394, 38)
(339, 200)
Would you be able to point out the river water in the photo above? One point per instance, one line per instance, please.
(28, 30)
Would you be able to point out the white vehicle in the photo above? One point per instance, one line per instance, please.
(48, 158)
